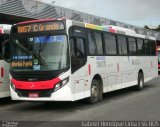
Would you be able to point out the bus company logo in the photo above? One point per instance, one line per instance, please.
(100, 58)
(32, 86)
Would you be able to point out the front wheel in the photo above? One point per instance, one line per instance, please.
(96, 92)
(140, 84)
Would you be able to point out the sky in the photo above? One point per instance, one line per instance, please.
(135, 12)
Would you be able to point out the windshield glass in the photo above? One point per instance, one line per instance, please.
(42, 53)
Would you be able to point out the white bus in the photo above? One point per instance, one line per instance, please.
(4, 65)
(65, 60)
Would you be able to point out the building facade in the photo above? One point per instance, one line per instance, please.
(12, 11)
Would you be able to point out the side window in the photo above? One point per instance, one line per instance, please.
(110, 44)
(78, 53)
(77, 48)
(132, 46)
(147, 47)
(92, 45)
(153, 48)
(140, 45)
(122, 45)
(72, 47)
(80, 50)
(99, 44)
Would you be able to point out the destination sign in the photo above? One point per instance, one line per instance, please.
(40, 27)
(22, 64)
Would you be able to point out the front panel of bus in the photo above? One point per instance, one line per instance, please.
(40, 64)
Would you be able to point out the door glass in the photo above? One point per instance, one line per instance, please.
(78, 54)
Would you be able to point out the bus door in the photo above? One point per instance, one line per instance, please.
(4, 74)
(133, 59)
(124, 61)
(4, 78)
(78, 61)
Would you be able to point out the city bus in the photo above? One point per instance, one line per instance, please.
(4, 65)
(66, 60)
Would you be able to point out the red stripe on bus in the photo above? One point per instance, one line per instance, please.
(2, 72)
(39, 85)
(1, 31)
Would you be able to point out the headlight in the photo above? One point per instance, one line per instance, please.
(61, 84)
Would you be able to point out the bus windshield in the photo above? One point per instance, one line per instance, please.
(41, 53)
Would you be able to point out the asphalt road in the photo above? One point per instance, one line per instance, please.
(120, 105)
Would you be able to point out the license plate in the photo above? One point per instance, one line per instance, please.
(33, 95)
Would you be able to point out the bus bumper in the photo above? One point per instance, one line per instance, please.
(63, 94)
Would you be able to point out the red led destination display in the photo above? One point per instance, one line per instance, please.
(40, 27)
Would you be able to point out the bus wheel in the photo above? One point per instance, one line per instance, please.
(140, 84)
(96, 94)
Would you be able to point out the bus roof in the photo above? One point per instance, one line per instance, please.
(112, 29)
(5, 28)
(108, 28)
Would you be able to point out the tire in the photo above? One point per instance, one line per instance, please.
(96, 92)
(140, 84)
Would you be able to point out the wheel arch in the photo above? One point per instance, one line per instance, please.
(99, 78)
(141, 71)
(140, 81)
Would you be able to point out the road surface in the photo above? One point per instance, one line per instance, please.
(122, 105)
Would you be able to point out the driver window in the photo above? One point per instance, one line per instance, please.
(78, 53)
(77, 48)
